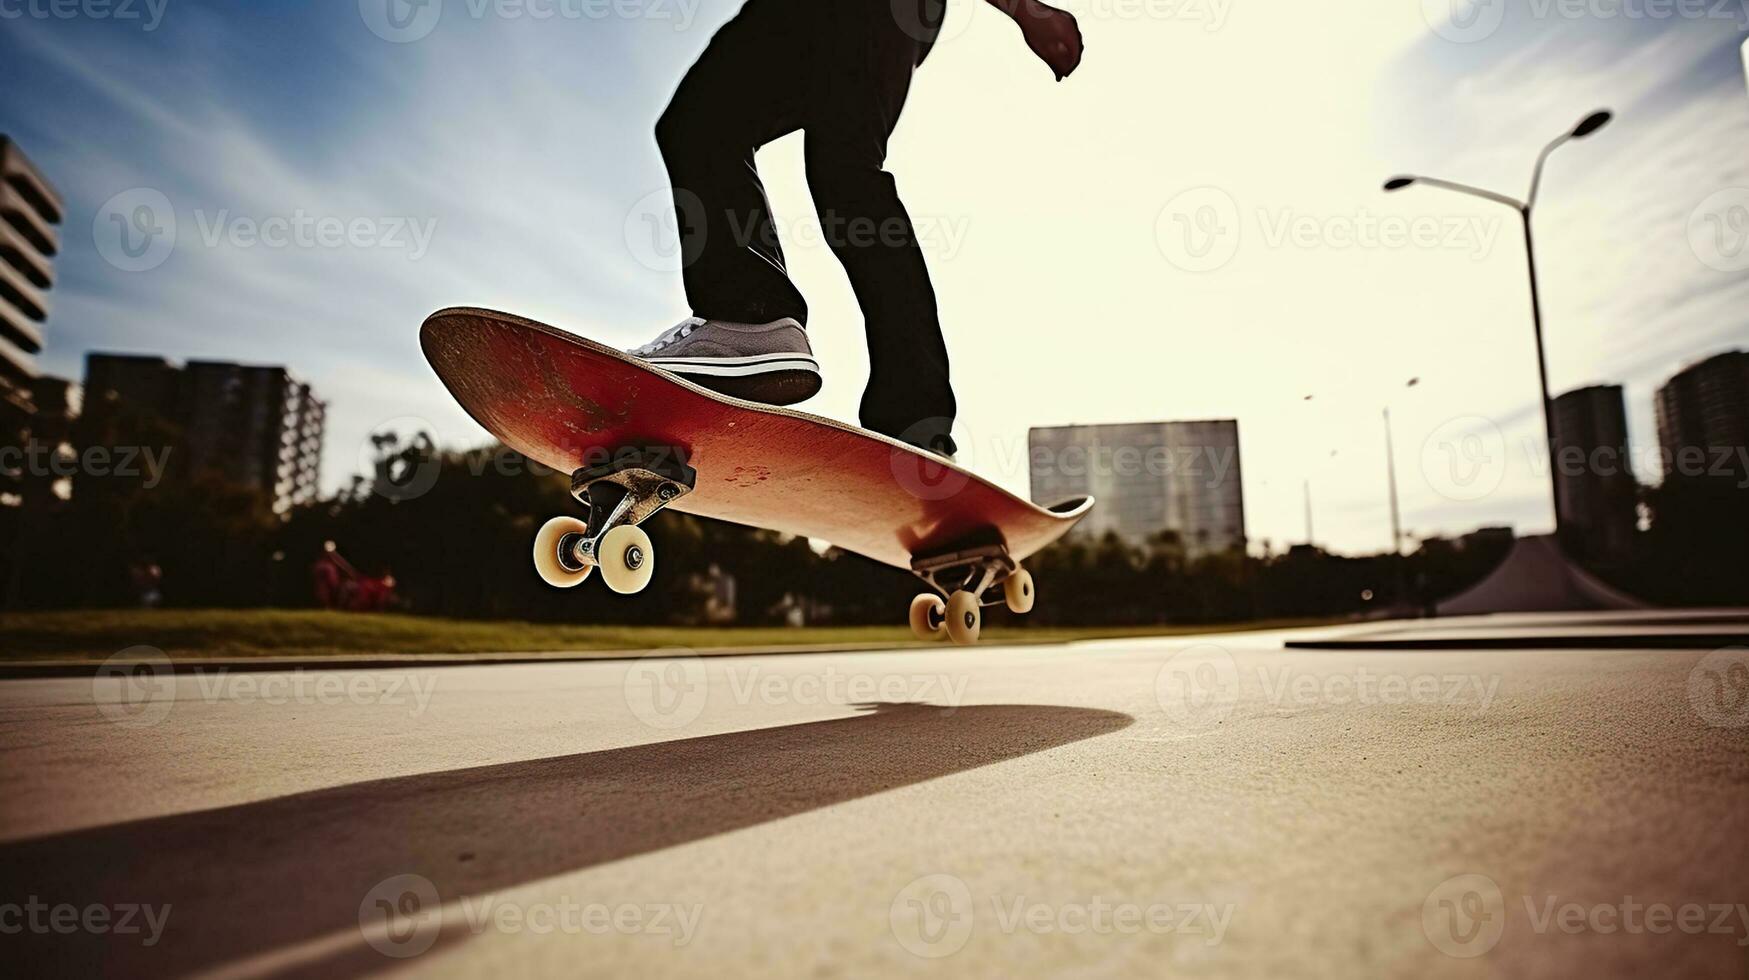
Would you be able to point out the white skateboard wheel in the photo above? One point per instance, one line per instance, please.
(927, 612)
(546, 553)
(627, 559)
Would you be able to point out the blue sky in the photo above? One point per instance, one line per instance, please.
(492, 156)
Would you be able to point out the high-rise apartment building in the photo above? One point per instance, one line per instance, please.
(1703, 419)
(29, 211)
(258, 426)
(1594, 474)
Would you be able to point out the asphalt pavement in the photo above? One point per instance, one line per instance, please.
(1205, 806)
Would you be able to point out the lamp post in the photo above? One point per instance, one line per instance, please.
(1590, 124)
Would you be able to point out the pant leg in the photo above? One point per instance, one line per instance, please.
(860, 91)
(739, 95)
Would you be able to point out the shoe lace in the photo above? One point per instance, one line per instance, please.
(669, 336)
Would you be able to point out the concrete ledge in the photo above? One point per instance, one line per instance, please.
(399, 661)
(1654, 641)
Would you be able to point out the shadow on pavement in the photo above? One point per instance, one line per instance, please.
(260, 877)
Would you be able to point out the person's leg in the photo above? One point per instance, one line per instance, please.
(742, 92)
(851, 114)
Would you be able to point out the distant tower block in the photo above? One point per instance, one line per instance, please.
(1149, 477)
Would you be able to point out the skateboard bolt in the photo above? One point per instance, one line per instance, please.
(668, 491)
(634, 557)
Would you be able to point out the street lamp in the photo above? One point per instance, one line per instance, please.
(1590, 124)
(1391, 471)
(1390, 475)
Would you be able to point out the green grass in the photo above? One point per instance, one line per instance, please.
(223, 633)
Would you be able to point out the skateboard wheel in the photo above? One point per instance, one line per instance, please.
(1017, 591)
(964, 620)
(553, 570)
(627, 558)
(928, 614)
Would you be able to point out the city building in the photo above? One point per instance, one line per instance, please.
(29, 211)
(258, 426)
(1148, 477)
(1594, 475)
(1703, 420)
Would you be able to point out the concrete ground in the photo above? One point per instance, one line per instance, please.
(1207, 807)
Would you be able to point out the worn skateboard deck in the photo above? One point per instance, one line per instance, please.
(564, 401)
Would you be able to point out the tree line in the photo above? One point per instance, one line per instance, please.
(453, 529)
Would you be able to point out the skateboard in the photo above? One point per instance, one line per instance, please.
(636, 439)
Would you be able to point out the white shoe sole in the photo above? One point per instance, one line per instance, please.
(736, 367)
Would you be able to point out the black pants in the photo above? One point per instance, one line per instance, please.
(838, 70)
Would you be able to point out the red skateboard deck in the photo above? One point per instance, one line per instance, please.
(565, 402)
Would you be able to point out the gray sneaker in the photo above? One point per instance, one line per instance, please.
(761, 362)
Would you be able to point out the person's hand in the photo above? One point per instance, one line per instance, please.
(1053, 35)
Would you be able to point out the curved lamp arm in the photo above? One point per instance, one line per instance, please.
(1536, 176)
(1398, 183)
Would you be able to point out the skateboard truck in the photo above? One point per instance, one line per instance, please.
(619, 494)
(625, 491)
(965, 581)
